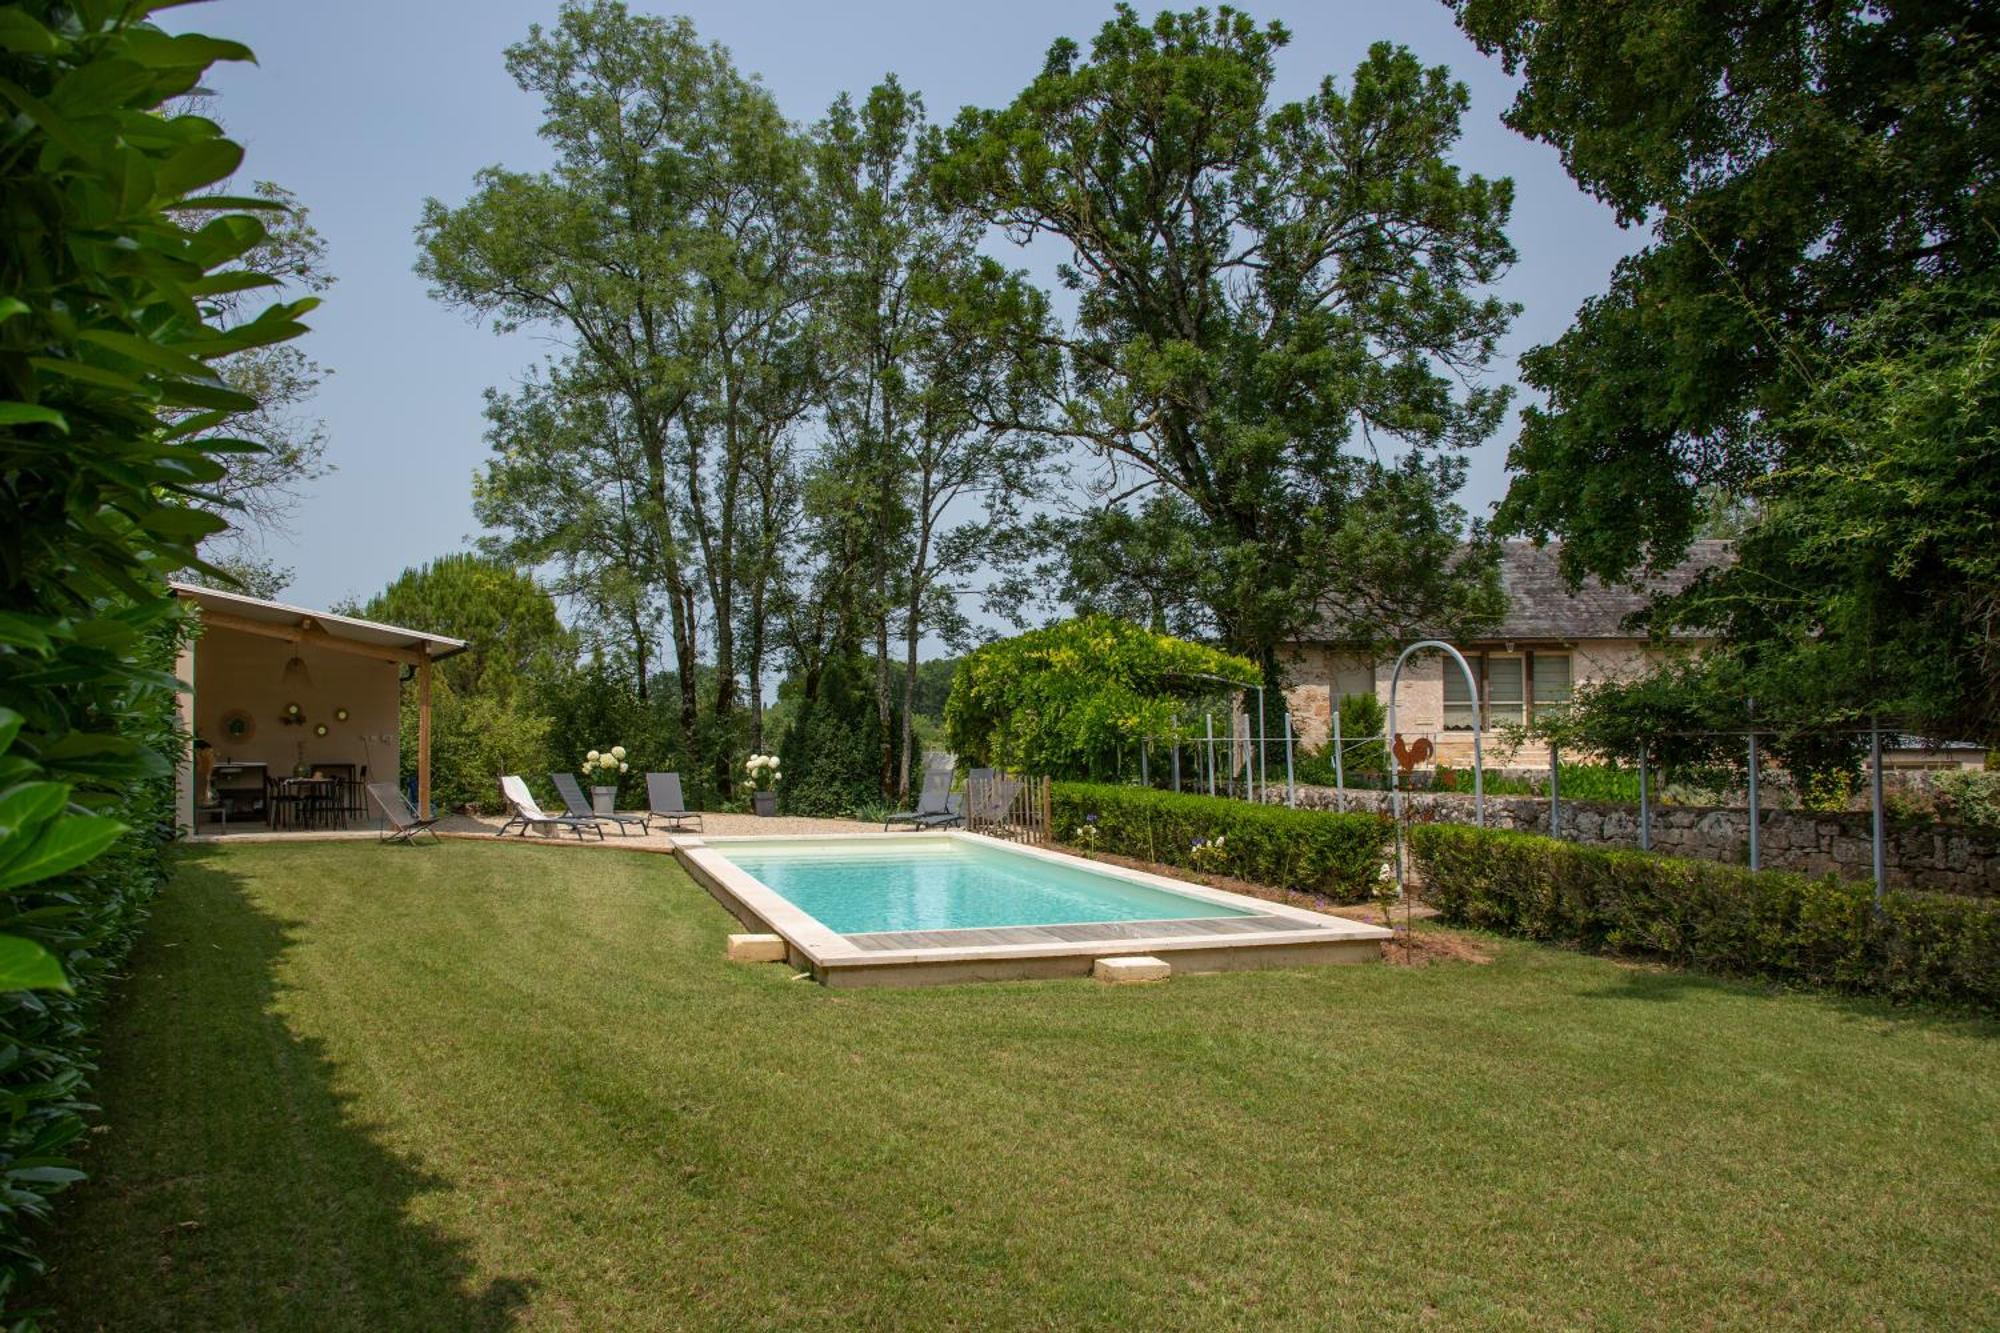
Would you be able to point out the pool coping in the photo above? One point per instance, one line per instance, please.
(836, 961)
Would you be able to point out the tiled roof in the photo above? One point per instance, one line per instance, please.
(1540, 605)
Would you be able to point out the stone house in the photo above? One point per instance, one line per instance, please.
(1550, 641)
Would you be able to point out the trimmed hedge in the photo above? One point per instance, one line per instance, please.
(1714, 917)
(113, 436)
(1307, 851)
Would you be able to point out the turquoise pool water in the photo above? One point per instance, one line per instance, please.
(854, 887)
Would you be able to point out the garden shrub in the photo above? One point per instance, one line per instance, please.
(1067, 698)
(1306, 851)
(1718, 918)
(832, 751)
(108, 404)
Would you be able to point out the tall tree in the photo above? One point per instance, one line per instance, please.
(938, 370)
(261, 488)
(488, 710)
(661, 245)
(1810, 173)
(507, 617)
(1280, 325)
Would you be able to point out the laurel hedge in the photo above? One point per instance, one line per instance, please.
(112, 426)
(1305, 851)
(1929, 947)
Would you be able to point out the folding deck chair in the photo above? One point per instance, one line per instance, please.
(404, 822)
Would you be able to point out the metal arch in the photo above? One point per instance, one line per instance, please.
(1478, 760)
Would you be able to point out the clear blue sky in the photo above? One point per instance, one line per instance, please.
(364, 108)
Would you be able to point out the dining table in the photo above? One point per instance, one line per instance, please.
(313, 801)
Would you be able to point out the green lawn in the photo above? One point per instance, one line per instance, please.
(478, 1086)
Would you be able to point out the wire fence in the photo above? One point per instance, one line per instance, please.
(1230, 758)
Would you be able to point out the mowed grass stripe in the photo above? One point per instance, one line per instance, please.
(486, 1086)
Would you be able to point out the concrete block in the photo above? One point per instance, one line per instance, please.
(1142, 968)
(757, 948)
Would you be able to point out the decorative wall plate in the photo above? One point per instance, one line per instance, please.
(319, 729)
(238, 725)
(340, 715)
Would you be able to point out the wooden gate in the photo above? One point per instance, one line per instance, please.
(1001, 805)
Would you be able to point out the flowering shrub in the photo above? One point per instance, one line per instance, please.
(1209, 855)
(761, 771)
(1388, 893)
(605, 765)
(1085, 835)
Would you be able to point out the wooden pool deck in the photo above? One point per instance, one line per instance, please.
(1087, 932)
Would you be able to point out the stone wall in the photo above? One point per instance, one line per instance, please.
(1920, 856)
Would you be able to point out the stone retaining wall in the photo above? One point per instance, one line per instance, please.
(1939, 857)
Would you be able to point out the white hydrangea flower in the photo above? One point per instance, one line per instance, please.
(591, 756)
(617, 752)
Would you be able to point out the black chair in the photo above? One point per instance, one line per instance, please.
(346, 800)
(285, 805)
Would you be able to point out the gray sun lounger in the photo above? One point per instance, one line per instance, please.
(404, 822)
(664, 801)
(579, 805)
(933, 803)
(527, 814)
(954, 812)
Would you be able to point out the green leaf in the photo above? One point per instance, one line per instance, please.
(20, 414)
(19, 32)
(198, 164)
(10, 723)
(159, 50)
(26, 965)
(48, 1175)
(27, 807)
(62, 845)
(11, 306)
(144, 351)
(102, 754)
(89, 374)
(23, 631)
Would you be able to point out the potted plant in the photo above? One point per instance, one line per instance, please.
(762, 772)
(603, 767)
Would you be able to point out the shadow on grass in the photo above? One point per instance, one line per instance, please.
(1662, 983)
(232, 1185)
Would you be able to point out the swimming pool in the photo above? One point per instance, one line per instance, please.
(861, 886)
(917, 909)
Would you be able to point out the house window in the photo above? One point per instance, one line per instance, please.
(1552, 681)
(1459, 711)
(1504, 697)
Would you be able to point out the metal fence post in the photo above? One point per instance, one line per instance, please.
(1263, 788)
(1211, 752)
(1555, 792)
(1177, 763)
(1145, 779)
(1339, 775)
(1879, 851)
(1291, 787)
(1753, 801)
(1645, 808)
